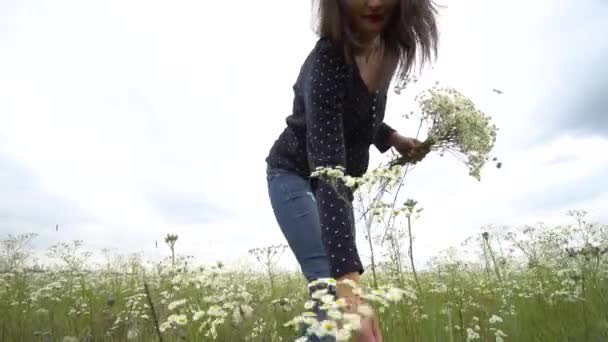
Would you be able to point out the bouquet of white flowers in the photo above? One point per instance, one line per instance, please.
(455, 126)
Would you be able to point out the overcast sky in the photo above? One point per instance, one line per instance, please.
(123, 121)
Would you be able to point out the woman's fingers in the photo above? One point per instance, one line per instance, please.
(369, 331)
(377, 331)
(365, 334)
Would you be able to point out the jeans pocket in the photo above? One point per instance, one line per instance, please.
(291, 193)
(290, 184)
(296, 187)
(273, 173)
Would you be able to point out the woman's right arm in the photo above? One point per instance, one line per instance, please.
(324, 97)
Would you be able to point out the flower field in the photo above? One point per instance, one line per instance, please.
(533, 283)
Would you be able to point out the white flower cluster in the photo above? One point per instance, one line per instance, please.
(342, 321)
(455, 126)
(387, 177)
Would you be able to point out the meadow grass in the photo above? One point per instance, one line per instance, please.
(534, 284)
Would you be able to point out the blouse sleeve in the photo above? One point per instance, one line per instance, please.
(381, 138)
(324, 96)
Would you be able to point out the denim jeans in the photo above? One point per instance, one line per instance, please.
(295, 208)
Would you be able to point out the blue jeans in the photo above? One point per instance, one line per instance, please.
(295, 208)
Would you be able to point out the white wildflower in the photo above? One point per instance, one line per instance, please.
(334, 314)
(246, 296)
(343, 335)
(340, 302)
(365, 310)
(319, 293)
(350, 181)
(178, 319)
(495, 319)
(499, 335)
(247, 310)
(216, 311)
(472, 335)
(176, 304)
(327, 299)
(132, 334)
(198, 315)
(326, 328)
(294, 322)
(236, 316)
(353, 320)
(164, 326)
(394, 295)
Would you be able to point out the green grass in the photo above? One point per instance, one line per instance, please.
(545, 293)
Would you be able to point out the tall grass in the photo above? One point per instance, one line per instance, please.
(534, 283)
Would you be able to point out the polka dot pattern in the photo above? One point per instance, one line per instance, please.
(335, 119)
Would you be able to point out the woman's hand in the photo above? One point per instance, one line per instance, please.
(410, 148)
(370, 327)
(370, 330)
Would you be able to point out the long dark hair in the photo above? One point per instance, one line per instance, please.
(411, 31)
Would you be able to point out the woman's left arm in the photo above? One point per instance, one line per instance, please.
(382, 139)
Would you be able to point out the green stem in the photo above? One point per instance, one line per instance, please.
(411, 253)
(496, 270)
(160, 336)
(368, 225)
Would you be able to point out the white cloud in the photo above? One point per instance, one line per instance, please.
(104, 101)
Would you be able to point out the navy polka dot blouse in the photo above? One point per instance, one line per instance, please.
(335, 120)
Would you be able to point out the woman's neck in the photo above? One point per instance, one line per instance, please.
(369, 47)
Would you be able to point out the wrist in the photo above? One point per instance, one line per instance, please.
(393, 138)
(345, 283)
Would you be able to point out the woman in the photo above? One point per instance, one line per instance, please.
(338, 112)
